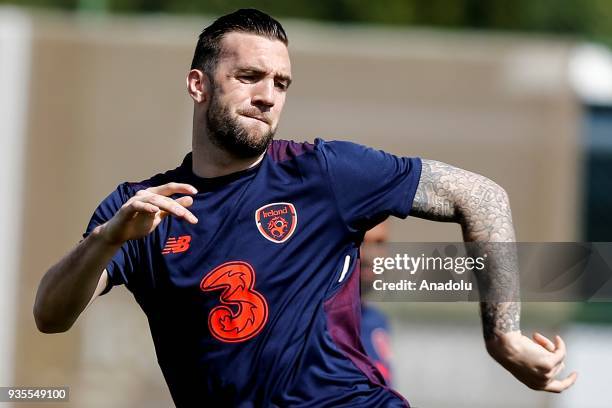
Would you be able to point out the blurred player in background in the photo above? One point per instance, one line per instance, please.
(245, 257)
(375, 328)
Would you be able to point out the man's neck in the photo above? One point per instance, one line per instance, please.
(210, 161)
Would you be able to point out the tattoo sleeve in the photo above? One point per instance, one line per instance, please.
(449, 194)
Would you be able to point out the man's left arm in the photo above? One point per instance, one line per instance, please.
(449, 194)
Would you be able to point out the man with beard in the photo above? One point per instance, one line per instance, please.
(245, 257)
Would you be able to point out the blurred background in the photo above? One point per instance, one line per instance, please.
(92, 93)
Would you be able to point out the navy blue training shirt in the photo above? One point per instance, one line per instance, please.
(257, 305)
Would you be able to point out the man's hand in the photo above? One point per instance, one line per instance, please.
(535, 363)
(142, 213)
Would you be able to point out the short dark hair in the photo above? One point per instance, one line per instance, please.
(250, 21)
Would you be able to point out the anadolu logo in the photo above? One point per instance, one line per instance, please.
(276, 221)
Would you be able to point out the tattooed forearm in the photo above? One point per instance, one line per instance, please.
(499, 318)
(498, 285)
(449, 194)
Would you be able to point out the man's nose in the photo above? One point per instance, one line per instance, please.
(264, 93)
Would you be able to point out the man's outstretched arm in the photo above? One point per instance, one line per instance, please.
(72, 283)
(79, 277)
(449, 194)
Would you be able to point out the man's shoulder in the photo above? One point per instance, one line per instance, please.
(284, 150)
(125, 190)
(168, 176)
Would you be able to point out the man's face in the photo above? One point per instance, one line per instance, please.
(249, 87)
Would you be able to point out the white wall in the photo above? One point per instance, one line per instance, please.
(15, 47)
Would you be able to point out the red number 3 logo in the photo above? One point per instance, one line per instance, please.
(250, 312)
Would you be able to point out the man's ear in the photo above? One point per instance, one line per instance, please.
(198, 86)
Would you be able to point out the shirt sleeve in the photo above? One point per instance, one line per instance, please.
(125, 262)
(368, 184)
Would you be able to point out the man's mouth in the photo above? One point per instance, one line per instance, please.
(257, 117)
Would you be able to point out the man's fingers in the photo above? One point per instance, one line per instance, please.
(557, 370)
(150, 201)
(544, 342)
(561, 385)
(185, 201)
(133, 206)
(173, 188)
(559, 343)
(559, 353)
(170, 206)
(557, 348)
(139, 206)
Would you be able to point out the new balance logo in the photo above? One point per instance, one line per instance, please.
(177, 245)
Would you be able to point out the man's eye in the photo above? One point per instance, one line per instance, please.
(281, 85)
(247, 78)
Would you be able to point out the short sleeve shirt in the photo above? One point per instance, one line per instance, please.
(258, 303)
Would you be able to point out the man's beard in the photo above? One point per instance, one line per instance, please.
(229, 135)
